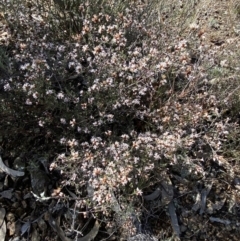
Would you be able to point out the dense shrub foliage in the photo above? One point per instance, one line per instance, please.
(120, 96)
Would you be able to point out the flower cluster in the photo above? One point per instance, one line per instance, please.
(116, 100)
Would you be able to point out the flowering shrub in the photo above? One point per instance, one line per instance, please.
(115, 100)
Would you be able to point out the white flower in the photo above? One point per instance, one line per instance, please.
(63, 121)
(162, 66)
(41, 123)
(135, 102)
(60, 95)
(73, 122)
(90, 100)
(23, 67)
(110, 117)
(25, 86)
(49, 92)
(28, 102)
(156, 156)
(125, 137)
(7, 87)
(193, 26)
(35, 95)
(61, 48)
(66, 100)
(139, 192)
(71, 64)
(85, 48)
(63, 140)
(143, 91)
